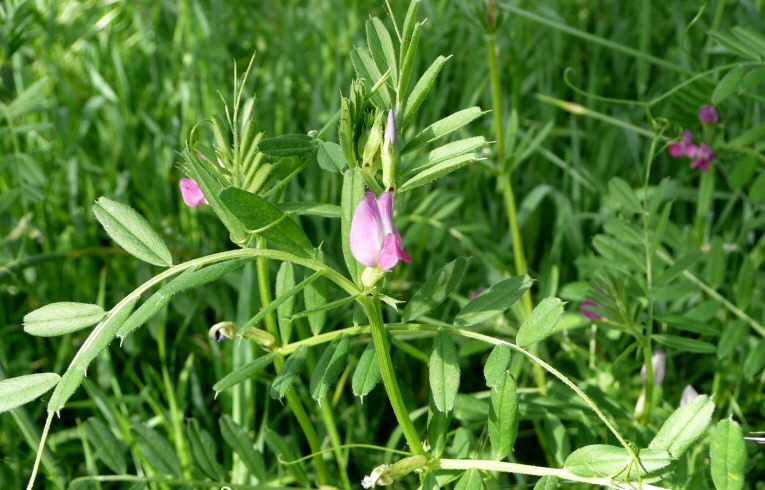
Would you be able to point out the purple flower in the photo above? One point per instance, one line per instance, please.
(708, 114)
(689, 394)
(684, 147)
(703, 157)
(586, 311)
(375, 241)
(476, 293)
(659, 362)
(192, 194)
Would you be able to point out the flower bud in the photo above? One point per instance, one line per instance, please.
(689, 394)
(659, 361)
(263, 338)
(389, 152)
(374, 140)
(223, 331)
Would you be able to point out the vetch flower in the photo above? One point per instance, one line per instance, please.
(684, 147)
(703, 157)
(192, 194)
(586, 311)
(659, 362)
(689, 394)
(375, 241)
(708, 114)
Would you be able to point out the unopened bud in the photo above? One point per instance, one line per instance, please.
(260, 336)
(389, 153)
(223, 331)
(374, 140)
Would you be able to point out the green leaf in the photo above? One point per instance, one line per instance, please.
(734, 45)
(98, 340)
(497, 364)
(728, 454)
(264, 219)
(728, 84)
(437, 171)
(755, 361)
(743, 171)
(204, 451)
(750, 38)
(367, 373)
(285, 281)
(61, 318)
(684, 427)
(241, 442)
(189, 279)
(312, 209)
(604, 461)
(236, 437)
(436, 289)
(621, 192)
(448, 152)
(541, 322)
(366, 68)
(470, 480)
(438, 428)
(17, 391)
(288, 145)
(757, 191)
(244, 373)
(444, 372)
(353, 193)
(556, 438)
(408, 54)
(381, 47)
(503, 417)
(132, 232)
(211, 188)
(109, 449)
(330, 157)
(442, 127)
(157, 450)
(316, 295)
(289, 373)
(685, 344)
(546, 483)
(493, 301)
(734, 336)
(421, 88)
(745, 283)
(330, 365)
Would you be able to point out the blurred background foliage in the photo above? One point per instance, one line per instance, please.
(97, 98)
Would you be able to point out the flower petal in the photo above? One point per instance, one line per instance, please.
(676, 150)
(392, 252)
(192, 194)
(367, 234)
(385, 205)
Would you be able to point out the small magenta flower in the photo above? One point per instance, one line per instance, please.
(703, 157)
(689, 394)
(476, 293)
(708, 114)
(684, 147)
(375, 241)
(192, 194)
(586, 311)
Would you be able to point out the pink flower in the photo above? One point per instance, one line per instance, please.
(703, 157)
(586, 311)
(375, 241)
(708, 114)
(192, 194)
(476, 293)
(684, 147)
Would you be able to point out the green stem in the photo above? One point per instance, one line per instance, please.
(382, 348)
(524, 469)
(296, 406)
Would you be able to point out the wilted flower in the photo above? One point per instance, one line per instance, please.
(684, 147)
(708, 114)
(377, 478)
(192, 194)
(703, 157)
(375, 241)
(689, 394)
(586, 311)
(659, 362)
